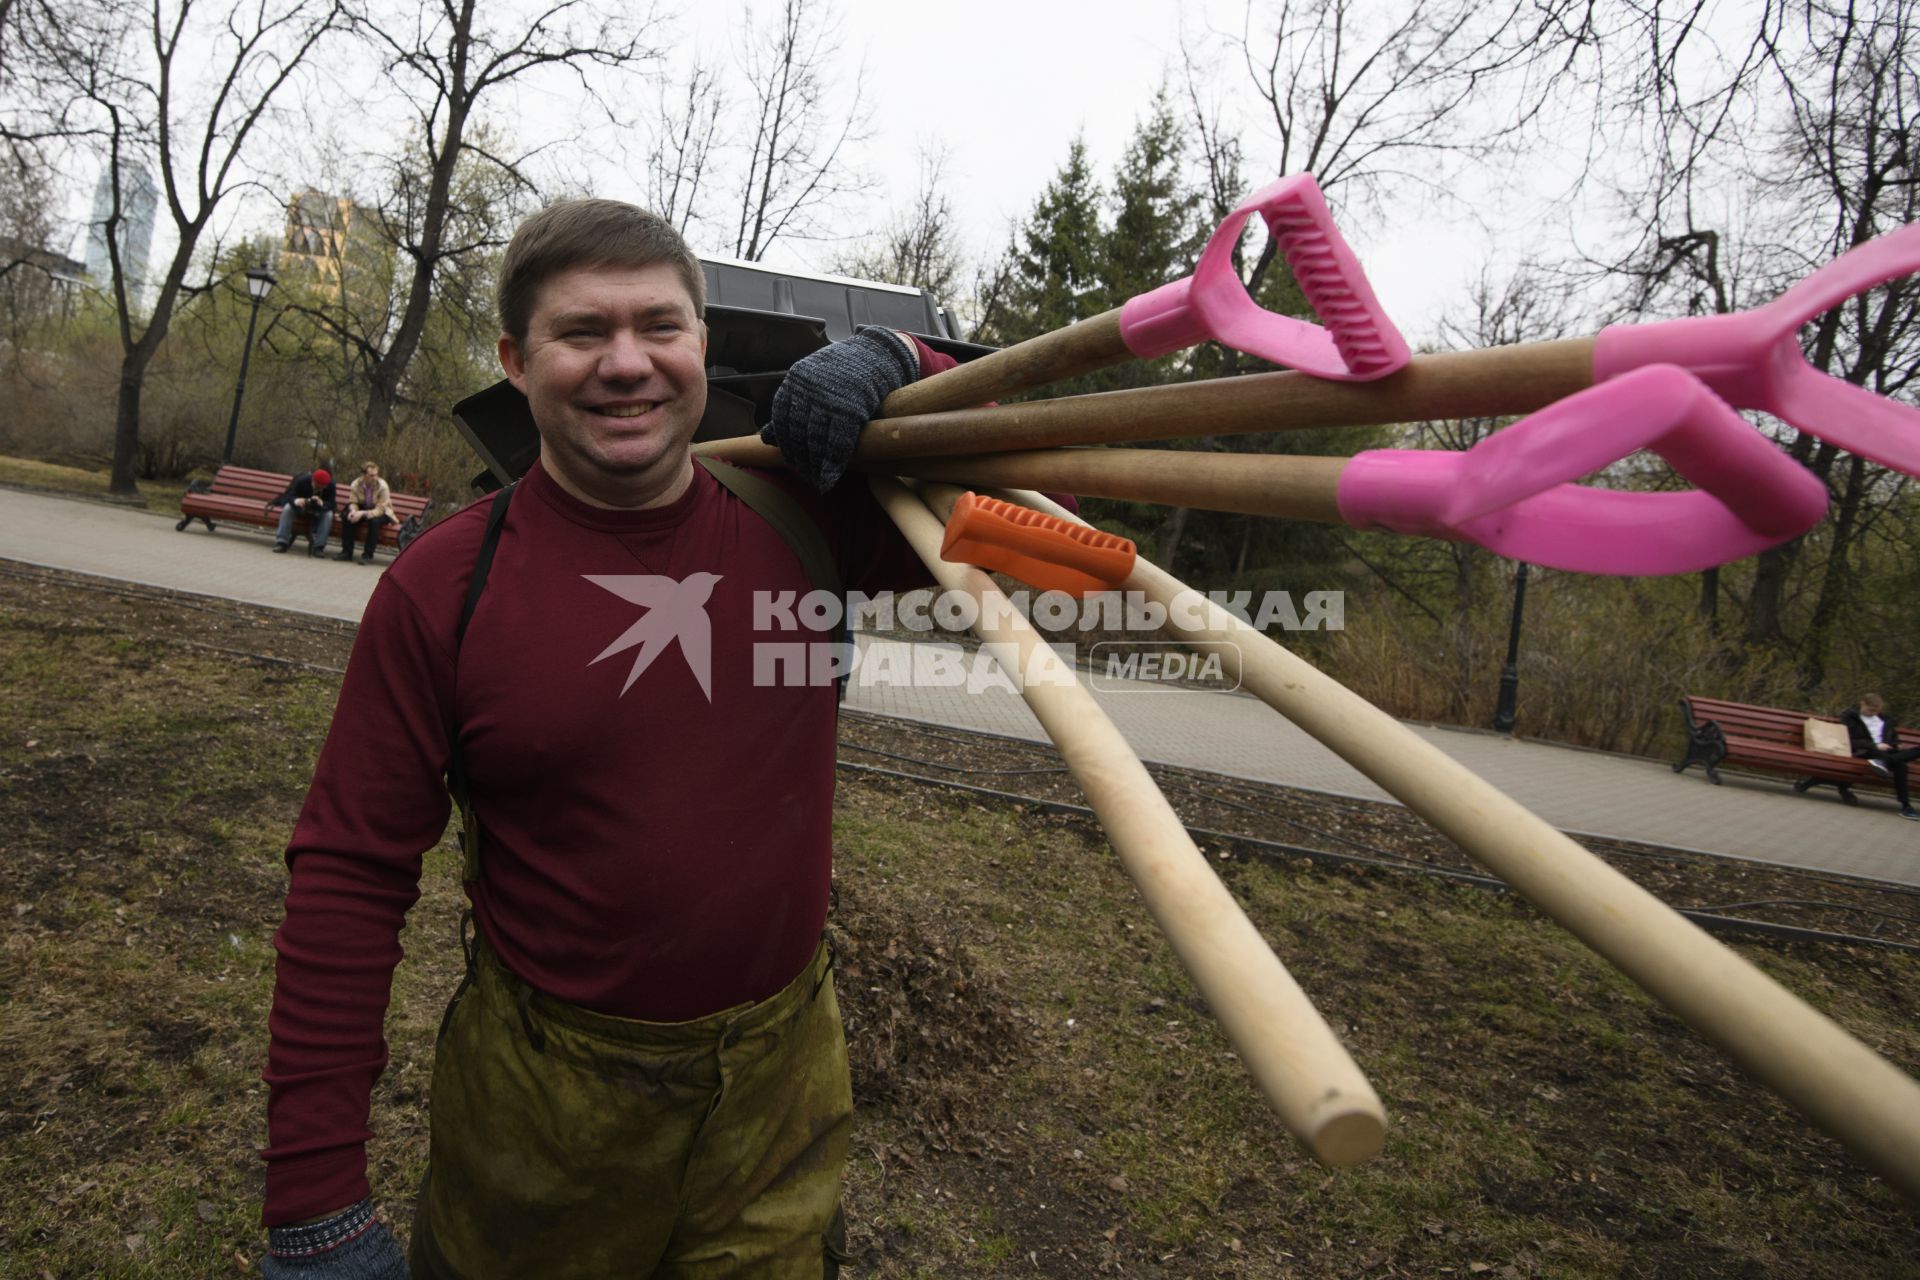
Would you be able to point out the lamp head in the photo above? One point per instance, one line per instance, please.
(260, 282)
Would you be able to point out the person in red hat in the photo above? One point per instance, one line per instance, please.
(311, 492)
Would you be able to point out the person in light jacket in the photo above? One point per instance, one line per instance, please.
(369, 508)
(1876, 740)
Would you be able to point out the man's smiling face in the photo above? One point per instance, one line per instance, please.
(614, 368)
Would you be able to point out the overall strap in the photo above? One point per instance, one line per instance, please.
(483, 563)
(789, 519)
(456, 763)
(800, 530)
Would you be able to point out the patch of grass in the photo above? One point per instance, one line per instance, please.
(1040, 1089)
(1547, 1117)
(26, 473)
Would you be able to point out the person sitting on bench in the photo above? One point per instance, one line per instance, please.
(369, 507)
(1877, 741)
(313, 493)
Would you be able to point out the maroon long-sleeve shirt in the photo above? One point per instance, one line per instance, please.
(656, 845)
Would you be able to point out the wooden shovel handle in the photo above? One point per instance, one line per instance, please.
(1306, 1074)
(1496, 382)
(1492, 383)
(1287, 486)
(1082, 347)
(1845, 1088)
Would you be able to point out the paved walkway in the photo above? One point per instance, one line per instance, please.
(132, 545)
(1583, 792)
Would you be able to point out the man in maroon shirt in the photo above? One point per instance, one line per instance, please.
(642, 1073)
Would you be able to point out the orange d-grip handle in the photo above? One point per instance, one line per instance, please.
(1040, 550)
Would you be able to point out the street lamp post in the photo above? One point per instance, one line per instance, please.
(1510, 674)
(259, 282)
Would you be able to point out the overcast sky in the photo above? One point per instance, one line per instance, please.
(1005, 86)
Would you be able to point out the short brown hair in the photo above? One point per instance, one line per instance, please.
(588, 233)
(1872, 702)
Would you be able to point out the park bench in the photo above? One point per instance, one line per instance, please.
(1769, 739)
(241, 495)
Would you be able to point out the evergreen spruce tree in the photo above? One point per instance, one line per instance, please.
(1154, 237)
(1055, 267)
(1155, 234)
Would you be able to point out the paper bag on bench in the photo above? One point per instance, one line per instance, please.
(1827, 738)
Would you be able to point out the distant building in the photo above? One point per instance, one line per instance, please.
(331, 248)
(38, 281)
(57, 267)
(133, 233)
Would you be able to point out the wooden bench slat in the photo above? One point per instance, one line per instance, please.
(1796, 760)
(212, 503)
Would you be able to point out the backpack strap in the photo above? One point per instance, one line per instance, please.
(800, 530)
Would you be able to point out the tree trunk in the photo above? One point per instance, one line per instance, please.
(383, 385)
(1463, 559)
(1709, 606)
(126, 424)
(1769, 590)
(1836, 583)
(1774, 566)
(126, 410)
(384, 390)
(1168, 544)
(1461, 698)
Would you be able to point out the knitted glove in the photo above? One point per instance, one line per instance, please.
(827, 398)
(352, 1245)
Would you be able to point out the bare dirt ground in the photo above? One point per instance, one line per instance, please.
(1041, 1091)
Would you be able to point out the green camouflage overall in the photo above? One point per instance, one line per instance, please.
(568, 1144)
(572, 1144)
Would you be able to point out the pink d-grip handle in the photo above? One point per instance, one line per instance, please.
(1358, 343)
(1753, 359)
(1513, 493)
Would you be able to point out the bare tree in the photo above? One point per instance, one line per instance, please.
(987, 305)
(919, 246)
(1847, 169)
(1795, 144)
(29, 287)
(186, 87)
(1219, 151)
(796, 168)
(1362, 96)
(1521, 308)
(1448, 580)
(448, 59)
(344, 282)
(686, 134)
